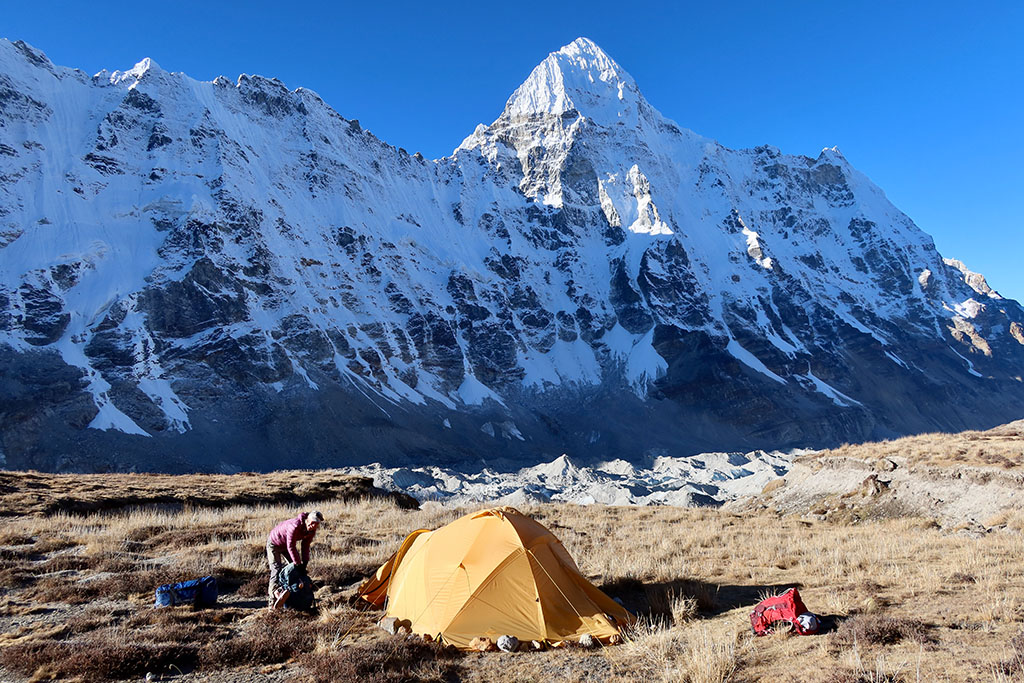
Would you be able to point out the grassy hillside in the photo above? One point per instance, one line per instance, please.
(1001, 447)
(26, 493)
(967, 481)
(908, 600)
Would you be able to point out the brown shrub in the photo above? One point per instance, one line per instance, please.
(60, 563)
(123, 585)
(118, 564)
(52, 544)
(1017, 643)
(14, 555)
(59, 589)
(276, 637)
(876, 630)
(1013, 668)
(15, 538)
(389, 661)
(230, 579)
(144, 533)
(162, 639)
(190, 538)
(343, 574)
(168, 617)
(177, 633)
(91, 660)
(17, 577)
(256, 587)
(847, 676)
(961, 577)
(256, 552)
(118, 586)
(96, 618)
(352, 542)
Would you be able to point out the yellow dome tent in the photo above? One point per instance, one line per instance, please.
(492, 573)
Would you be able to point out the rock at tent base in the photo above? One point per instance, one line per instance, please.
(481, 644)
(536, 645)
(427, 638)
(587, 640)
(404, 631)
(389, 625)
(508, 643)
(616, 639)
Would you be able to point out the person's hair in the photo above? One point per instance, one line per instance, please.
(315, 516)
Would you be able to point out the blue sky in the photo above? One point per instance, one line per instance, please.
(927, 99)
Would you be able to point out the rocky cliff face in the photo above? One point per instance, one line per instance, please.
(223, 275)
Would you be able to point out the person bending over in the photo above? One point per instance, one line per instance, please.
(289, 541)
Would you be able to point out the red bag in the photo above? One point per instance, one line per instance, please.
(779, 611)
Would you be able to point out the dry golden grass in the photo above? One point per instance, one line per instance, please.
(36, 492)
(1001, 447)
(908, 600)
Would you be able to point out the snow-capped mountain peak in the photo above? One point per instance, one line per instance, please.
(236, 268)
(136, 73)
(580, 77)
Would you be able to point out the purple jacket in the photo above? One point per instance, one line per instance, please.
(287, 535)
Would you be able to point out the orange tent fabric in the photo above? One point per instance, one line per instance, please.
(492, 573)
(375, 589)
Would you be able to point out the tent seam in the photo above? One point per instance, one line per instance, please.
(483, 584)
(583, 621)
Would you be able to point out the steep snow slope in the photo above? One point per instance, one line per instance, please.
(231, 275)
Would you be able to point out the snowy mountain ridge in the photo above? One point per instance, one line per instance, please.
(224, 274)
(708, 479)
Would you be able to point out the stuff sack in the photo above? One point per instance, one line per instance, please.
(786, 612)
(294, 579)
(197, 592)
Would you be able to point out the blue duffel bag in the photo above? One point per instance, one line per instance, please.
(197, 592)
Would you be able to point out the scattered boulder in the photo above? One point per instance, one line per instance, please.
(886, 465)
(508, 643)
(482, 645)
(389, 625)
(873, 486)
